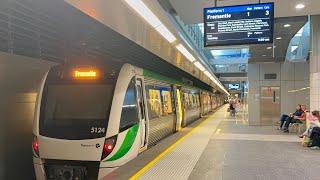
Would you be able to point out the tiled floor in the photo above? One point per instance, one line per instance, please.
(242, 152)
(227, 148)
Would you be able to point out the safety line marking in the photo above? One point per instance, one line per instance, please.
(149, 165)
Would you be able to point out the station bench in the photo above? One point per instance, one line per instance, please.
(298, 127)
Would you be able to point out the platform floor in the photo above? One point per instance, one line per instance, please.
(222, 147)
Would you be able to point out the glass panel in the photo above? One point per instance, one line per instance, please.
(155, 104)
(129, 114)
(159, 101)
(71, 111)
(167, 102)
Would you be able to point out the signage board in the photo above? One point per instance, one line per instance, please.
(238, 25)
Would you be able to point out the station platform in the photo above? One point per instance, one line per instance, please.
(221, 146)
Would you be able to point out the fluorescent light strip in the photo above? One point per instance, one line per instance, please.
(164, 31)
(215, 81)
(145, 12)
(198, 65)
(185, 52)
(151, 18)
(207, 74)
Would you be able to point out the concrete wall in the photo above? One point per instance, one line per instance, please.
(290, 76)
(19, 83)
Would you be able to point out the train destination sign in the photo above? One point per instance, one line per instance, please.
(237, 25)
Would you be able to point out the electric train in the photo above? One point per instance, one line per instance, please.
(89, 121)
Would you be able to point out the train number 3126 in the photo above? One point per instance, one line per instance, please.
(96, 130)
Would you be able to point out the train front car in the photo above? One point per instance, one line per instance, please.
(81, 128)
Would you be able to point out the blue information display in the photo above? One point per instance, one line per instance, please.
(234, 86)
(237, 25)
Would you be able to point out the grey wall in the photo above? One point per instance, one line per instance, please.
(315, 63)
(19, 82)
(290, 76)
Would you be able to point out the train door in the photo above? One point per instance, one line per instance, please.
(142, 113)
(178, 107)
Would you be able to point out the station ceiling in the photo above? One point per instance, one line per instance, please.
(63, 34)
(276, 52)
(191, 12)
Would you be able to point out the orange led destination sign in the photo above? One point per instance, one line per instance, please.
(85, 74)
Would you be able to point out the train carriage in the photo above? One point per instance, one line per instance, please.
(89, 121)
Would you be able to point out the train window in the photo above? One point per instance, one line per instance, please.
(167, 103)
(191, 101)
(154, 104)
(75, 111)
(186, 101)
(129, 114)
(159, 101)
(197, 99)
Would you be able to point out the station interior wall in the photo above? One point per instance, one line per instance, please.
(290, 76)
(315, 63)
(20, 79)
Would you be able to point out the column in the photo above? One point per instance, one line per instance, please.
(315, 63)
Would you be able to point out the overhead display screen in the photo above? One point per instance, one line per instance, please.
(234, 86)
(238, 25)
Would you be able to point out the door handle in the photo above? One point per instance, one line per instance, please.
(274, 96)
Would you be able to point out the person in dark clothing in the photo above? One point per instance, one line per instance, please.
(315, 138)
(284, 116)
(295, 119)
(232, 107)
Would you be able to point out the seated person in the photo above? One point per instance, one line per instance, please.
(284, 116)
(314, 122)
(295, 119)
(315, 138)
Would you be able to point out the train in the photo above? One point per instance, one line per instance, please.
(90, 120)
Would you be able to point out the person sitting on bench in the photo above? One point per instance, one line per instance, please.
(315, 138)
(284, 116)
(314, 122)
(295, 119)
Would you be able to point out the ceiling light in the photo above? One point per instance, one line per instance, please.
(164, 31)
(145, 12)
(279, 38)
(185, 52)
(300, 6)
(264, 55)
(216, 52)
(151, 18)
(198, 65)
(215, 81)
(207, 74)
(287, 25)
(269, 47)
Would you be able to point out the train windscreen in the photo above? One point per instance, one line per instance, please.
(75, 111)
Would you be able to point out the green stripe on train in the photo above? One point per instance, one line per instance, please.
(127, 143)
(154, 75)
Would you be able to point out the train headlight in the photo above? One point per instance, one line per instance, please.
(108, 146)
(35, 145)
